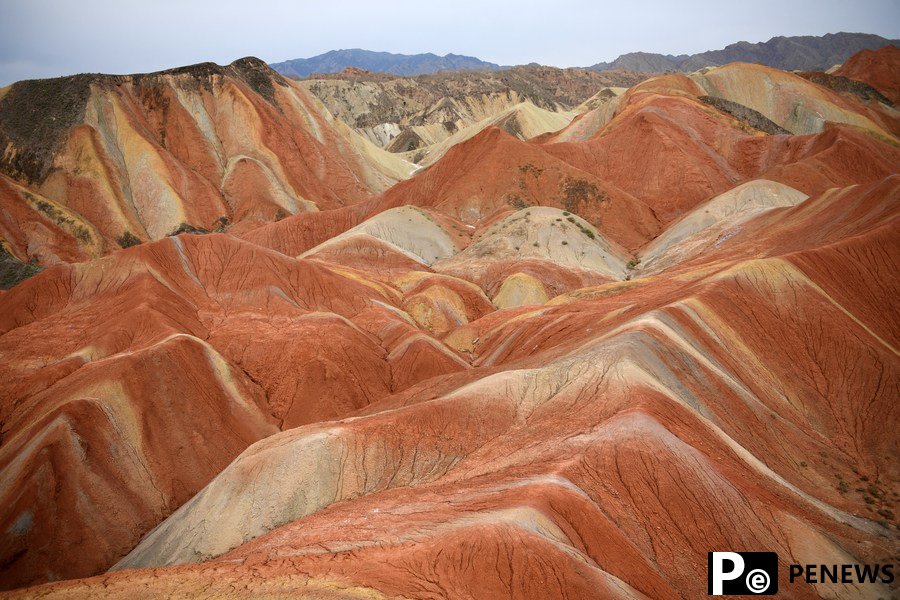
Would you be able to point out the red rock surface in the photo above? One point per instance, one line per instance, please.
(205, 146)
(879, 68)
(731, 385)
(688, 153)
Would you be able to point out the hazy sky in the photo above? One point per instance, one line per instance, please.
(43, 38)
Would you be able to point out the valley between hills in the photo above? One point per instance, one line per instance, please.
(519, 333)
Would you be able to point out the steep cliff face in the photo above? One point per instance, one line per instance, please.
(92, 163)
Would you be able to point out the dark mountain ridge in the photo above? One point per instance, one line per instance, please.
(336, 61)
(803, 53)
(806, 53)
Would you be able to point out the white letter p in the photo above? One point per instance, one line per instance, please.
(718, 574)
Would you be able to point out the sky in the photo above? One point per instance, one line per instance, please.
(46, 38)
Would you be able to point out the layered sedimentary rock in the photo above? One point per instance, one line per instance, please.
(564, 367)
(787, 99)
(130, 381)
(524, 121)
(878, 68)
(411, 113)
(626, 429)
(92, 163)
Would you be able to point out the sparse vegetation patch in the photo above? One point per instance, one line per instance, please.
(80, 232)
(188, 228)
(35, 118)
(128, 239)
(13, 271)
(578, 194)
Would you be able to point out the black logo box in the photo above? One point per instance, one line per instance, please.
(749, 581)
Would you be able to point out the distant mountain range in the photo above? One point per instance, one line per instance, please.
(808, 53)
(336, 61)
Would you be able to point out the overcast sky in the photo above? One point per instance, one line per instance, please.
(44, 38)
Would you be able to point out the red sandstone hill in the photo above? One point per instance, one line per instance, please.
(93, 163)
(568, 367)
(878, 68)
